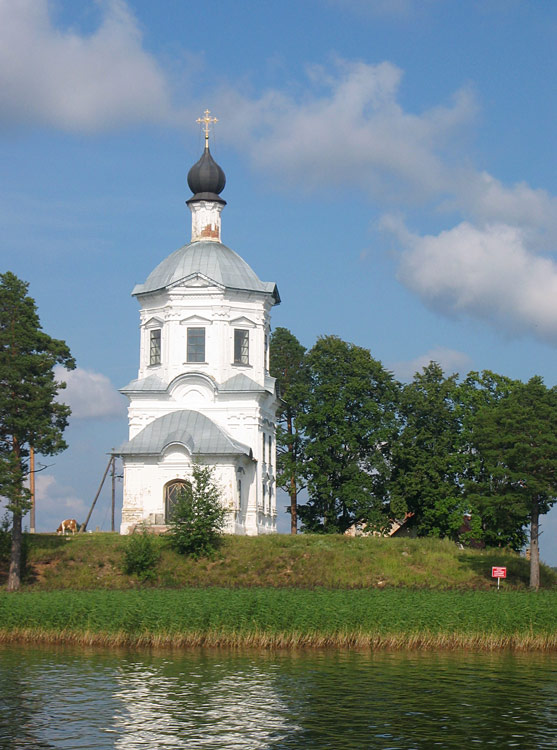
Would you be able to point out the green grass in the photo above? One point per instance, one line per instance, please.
(281, 591)
(95, 561)
(277, 618)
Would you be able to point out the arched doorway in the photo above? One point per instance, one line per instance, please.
(172, 492)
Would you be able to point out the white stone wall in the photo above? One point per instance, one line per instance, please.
(205, 220)
(246, 416)
(219, 313)
(145, 482)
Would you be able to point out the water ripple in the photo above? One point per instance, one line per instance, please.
(66, 699)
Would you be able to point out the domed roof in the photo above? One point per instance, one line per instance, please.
(206, 179)
(195, 431)
(212, 260)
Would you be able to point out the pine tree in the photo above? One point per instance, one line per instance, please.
(517, 438)
(29, 414)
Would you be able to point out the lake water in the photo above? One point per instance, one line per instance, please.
(79, 698)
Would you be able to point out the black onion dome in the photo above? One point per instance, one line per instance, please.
(206, 179)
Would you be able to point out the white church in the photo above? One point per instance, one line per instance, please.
(203, 391)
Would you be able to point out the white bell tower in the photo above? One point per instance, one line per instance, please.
(203, 391)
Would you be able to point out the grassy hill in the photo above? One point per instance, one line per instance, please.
(94, 561)
(279, 592)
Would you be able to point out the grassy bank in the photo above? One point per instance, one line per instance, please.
(287, 618)
(94, 561)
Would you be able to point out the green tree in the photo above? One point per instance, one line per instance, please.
(29, 413)
(517, 439)
(287, 365)
(349, 421)
(498, 520)
(198, 517)
(427, 460)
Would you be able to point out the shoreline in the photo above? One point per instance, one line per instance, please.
(470, 642)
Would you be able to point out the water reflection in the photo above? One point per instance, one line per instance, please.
(202, 702)
(67, 698)
(52, 699)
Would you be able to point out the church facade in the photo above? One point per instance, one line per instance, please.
(203, 391)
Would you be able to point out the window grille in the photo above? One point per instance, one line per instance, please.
(196, 345)
(241, 347)
(172, 492)
(155, 347)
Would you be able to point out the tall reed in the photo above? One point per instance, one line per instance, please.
(285, 618)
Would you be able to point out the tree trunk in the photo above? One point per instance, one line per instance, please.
(14, 576)
(293, 490)
(293, 506)
(534, 546)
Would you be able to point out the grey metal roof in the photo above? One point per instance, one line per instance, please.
(214, 261)
(195, 431)
(150, 383)
(271, 384)
(242, 383)
(237, 383)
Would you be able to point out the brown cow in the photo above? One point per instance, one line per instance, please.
(70, 524)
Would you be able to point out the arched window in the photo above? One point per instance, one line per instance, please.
(172, 491)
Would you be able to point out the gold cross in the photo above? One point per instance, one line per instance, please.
(206, 121)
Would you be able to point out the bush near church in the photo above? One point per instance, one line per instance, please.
(198, 518)
(141, 555)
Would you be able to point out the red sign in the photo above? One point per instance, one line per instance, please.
(498, 572)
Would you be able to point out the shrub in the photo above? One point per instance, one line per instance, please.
(141, 555)
(198, 517)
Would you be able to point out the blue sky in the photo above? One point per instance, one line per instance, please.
(390, 164)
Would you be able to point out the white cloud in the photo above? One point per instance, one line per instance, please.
(53, 503)
(486, 199)
(344, 128)
(90, 394)
(488, 273)
(75, 82)
(451, 361)
(348, 130)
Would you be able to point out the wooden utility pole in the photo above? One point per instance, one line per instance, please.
(84, 525)
(32, 488)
